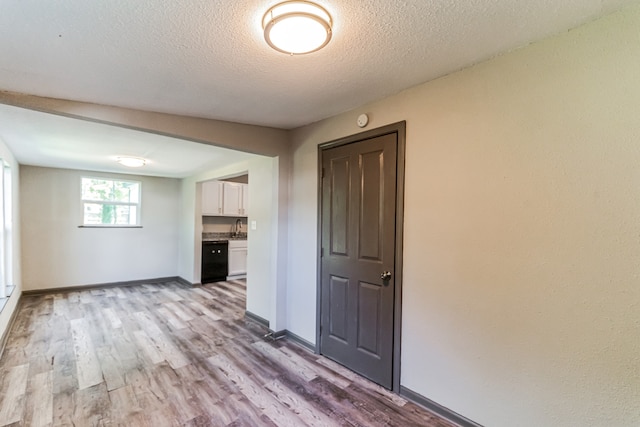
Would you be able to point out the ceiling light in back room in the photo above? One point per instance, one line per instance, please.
(132, 162)
(297, 27)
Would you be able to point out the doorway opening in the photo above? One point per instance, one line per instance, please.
(225, 213)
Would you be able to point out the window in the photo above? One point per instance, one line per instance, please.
(110, 202)
(6, 232)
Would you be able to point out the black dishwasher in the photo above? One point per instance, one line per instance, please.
(215, 258)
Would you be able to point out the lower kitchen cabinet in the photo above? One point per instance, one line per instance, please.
(237, 258)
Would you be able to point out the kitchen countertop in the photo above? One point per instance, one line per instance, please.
(217, 239)
(210, 237)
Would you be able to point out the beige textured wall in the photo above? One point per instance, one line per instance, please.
(522, 217)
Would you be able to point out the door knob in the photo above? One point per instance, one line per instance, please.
(386, 275)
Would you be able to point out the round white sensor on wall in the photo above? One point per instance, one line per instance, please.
(363, 119)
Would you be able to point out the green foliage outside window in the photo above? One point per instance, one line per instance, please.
(110, 202)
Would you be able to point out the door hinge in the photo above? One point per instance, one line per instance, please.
(321, 252)
(322, 173)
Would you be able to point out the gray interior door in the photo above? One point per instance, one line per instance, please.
(358, 252)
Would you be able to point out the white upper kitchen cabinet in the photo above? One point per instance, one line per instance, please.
(212, 198)
(221, 198)
(231, 199)
(235, 199)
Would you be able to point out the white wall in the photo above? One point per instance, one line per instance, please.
(521, 300)
(11, 305)
(263, 287)
(57, 253)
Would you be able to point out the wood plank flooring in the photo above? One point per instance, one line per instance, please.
(168, 355)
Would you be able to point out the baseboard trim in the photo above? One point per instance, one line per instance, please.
(436, 408)
(262, 321)
(276, 335)
(12, 320)
(187, 283)
(411, 395)
(299, 340)
(104, 285)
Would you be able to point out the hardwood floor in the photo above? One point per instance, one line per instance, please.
(168, 355)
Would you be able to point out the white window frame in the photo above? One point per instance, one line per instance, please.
(6, 231)
(138, 204)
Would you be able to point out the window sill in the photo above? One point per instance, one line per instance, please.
(3, 301)
(109, 226)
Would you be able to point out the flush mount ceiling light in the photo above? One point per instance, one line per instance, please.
(297, 27)
(132, 162)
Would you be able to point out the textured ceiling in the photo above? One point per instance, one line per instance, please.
(208, 58)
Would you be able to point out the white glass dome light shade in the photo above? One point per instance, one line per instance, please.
(297, 27)
(297, 34)
(132, 162)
